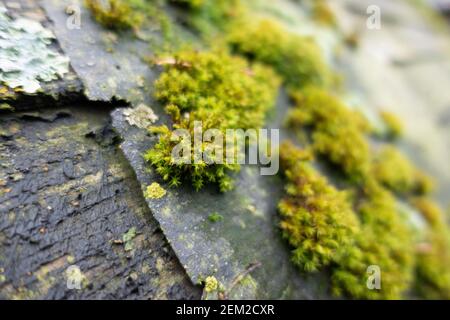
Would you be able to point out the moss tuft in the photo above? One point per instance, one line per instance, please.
(297, 59)
(115, 14)
(394, 127)
(392, 169)
(154, 191)
(384, 241)
(207, 15)
(433, 271)
(434, 216)
(221, 91)
(215, 217)
(337, 132)
(211, 284)
(316, 219)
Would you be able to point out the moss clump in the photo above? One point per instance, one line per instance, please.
(115, 14)
(392, 169)
(154, 191)
(211, 284)
(6, 107)
(434, 216)
(215, 217)
(207, 15)
(433, 271)
(221, 91)
(297, 59)
(337, 132)
(433, 266)
(394, 127)
(323, 14)
(385, 241)
(317, 220)
(127, 239)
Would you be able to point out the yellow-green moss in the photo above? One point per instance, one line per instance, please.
(432, 213)
(297, 59)
(384, 241)
(394, 126)
(215, 217)
(392, 169)
(316, 219)
(154, 191)
(207, 15)
(211, 284)
(433, 266)
(338, 133)
(323, 14)
(115, 14)
(222, 91)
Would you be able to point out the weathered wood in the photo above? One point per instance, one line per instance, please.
(67, 197)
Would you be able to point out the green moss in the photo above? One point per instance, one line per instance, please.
(434, 216)
(127, 239)
(209, 15)
(154, 191)
(392, 169)
(6, 107)
(433, 266)
(297, 59)
(394, 126)
(221, 91)
(384, 241)
(211, 284)
(215, 217)
(338, 133)
(433, 271)
(316, 219)
(115, 14)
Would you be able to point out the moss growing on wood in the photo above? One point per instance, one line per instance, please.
(221, 91)
(297, 59)
(316, 219)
